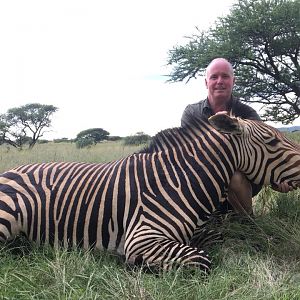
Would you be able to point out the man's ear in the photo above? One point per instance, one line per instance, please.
(226, 124)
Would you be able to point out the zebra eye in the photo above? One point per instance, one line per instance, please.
(273, 142)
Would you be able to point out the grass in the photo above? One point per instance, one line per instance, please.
(259, 258)
(103, 152)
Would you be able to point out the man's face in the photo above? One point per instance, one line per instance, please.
(219, 81)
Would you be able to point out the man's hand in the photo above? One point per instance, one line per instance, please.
(283, 187)
(222, 112)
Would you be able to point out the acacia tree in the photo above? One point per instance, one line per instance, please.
(262, 41)
(25, 124)
(91, 136)
(5, 136)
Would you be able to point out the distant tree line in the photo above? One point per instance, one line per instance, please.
(26, 125)
(92, 136)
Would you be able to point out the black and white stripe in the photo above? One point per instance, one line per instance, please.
(148, 205)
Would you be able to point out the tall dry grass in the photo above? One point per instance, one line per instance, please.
(102, 152)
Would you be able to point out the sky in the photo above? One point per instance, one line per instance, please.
(102, 63)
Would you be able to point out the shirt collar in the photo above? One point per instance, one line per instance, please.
(206, 104)
(232, 102)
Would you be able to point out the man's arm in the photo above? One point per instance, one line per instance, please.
(187, 113)
(283, 187)
(246, 112)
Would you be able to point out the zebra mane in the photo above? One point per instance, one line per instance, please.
(168, 138)
(158, 141)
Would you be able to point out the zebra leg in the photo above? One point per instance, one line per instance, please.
(165, 254)
(204, 237)
(10, 225)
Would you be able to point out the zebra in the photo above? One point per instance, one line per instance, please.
(147, 206)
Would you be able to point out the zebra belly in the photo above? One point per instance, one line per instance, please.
(60, 216)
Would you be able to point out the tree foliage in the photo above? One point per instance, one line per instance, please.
(91, 136)
(86, 142)
(138, 139)
(25, 124)
(261, 38)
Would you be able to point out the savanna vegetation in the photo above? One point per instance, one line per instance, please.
(259, 258)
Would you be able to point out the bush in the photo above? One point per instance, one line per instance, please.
(84, 142)
(42, 141)
(138, 139)
(114, 138)
(96, 134)
(62, 140)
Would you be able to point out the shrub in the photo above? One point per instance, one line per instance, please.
(62, 140)
(138, 139)
(114, 138)
(96, 134)
(84, 142)
(42, 141)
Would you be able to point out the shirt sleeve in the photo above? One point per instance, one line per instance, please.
(187, 113)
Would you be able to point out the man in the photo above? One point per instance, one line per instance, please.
(219, 81)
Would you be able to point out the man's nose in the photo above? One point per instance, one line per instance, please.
(219, 79)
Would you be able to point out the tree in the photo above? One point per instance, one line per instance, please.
(138, 139)
(4, 132)
(91, 136)
(262, 41)
(25, 124)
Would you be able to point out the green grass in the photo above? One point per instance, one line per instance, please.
(259, 258)
(293, 136)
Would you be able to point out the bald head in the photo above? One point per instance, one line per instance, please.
(222, 62)
(219, 81)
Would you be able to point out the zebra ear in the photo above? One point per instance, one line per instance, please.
(226, 124)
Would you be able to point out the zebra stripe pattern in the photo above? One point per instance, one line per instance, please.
(148, 205)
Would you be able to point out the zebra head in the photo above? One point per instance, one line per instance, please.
(265, 155)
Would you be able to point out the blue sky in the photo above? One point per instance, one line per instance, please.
(100, 62)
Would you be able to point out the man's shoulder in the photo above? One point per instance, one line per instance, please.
(243, 110)
(196, 105)
(193, 110)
